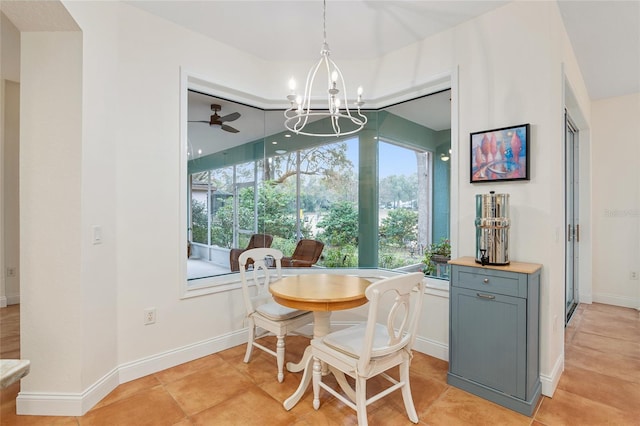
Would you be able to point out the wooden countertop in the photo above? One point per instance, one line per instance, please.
(521, 267)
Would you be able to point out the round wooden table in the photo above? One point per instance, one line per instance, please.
(320, 293)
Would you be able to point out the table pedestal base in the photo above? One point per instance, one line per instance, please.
(321, 327)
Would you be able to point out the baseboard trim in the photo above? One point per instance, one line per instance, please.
(10, 299)
(432, 348)
(550, 383)
(586, 298)
(158, 362)
(69, 404)
(616, 300)
(77, 404)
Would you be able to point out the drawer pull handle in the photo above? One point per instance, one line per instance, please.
(485, 296)
(486, 281)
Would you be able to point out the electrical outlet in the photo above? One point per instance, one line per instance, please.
(11, 272)
(149, 316)
(633, 275)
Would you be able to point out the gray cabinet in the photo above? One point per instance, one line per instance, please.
(494, 332)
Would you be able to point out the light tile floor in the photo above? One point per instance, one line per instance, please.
(600, 386)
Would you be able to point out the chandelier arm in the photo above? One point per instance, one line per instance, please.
(327, 135)
(309, 84)
(297, 125)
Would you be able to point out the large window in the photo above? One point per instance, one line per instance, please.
(317, 198)
(375, 199)
(403, 231)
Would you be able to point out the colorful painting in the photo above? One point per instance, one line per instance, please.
(500, 154)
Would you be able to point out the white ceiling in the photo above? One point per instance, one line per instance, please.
(605, 34)
(286, 30)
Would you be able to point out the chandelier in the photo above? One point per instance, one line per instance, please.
(300, 113)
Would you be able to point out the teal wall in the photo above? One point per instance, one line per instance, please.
(442, 188)
(368, 195)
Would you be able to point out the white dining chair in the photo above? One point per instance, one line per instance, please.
(262, 311)
(371, 348)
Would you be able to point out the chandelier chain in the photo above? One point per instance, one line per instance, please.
(324, 21)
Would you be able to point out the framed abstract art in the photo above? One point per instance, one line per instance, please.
(500, 154)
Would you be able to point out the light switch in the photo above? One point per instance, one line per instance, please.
(96, 234)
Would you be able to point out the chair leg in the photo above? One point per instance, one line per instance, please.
(280, 357)
(317, 378)
(406, 392)
(252, 336)
(361, 400)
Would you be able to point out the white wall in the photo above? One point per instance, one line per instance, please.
(10, 49)
(127, 77)
(616, 200)
(9, 149)
(10, 197)
(50, 207)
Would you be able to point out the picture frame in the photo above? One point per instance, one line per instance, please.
(500, 154)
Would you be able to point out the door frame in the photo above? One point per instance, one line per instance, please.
(572, 215)
(581, 123)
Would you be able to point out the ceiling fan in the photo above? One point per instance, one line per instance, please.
(216, 120)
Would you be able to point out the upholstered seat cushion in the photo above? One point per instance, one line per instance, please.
(350, 340)
(277, 312)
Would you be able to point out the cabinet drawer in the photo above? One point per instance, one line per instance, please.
(490, 280)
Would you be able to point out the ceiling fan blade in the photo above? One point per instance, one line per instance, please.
(229, 129)
(198, 121)
(230, 117)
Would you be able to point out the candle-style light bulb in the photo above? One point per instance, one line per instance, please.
(292, 84)
(334, 76)
(359, 102)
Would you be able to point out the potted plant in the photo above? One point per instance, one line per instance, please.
(437, 254)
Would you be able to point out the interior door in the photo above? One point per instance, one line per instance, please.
(572, 217)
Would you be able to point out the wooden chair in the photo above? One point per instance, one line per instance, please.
(262, 310)
(306, 254)
(371, 348)
(256, 241)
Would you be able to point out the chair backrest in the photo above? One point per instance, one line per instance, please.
(260, 240)
(401, 319)
(308, 250)
(261, 275)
